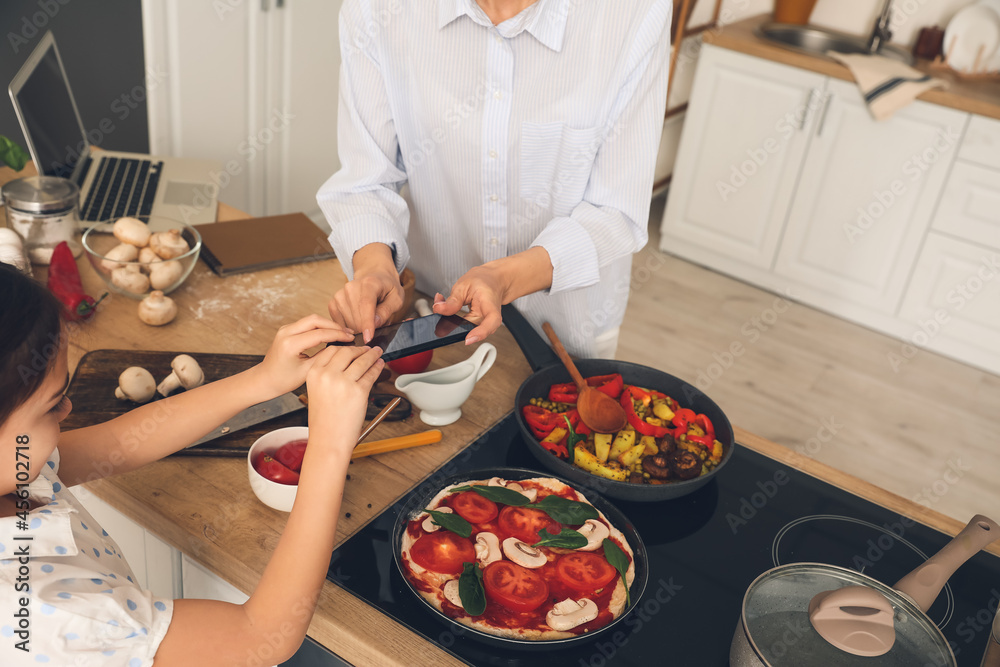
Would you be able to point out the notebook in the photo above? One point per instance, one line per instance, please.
(241, 246)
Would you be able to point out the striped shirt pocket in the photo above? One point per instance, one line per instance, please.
(556, 161)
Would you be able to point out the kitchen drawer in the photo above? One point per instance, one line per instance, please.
(951, 302)
(970, 205)
(982, 142)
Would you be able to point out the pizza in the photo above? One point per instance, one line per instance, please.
(529, 560)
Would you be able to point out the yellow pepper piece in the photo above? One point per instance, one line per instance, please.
(556, 435)
(602, 445)
(632, 455)
(662, 410)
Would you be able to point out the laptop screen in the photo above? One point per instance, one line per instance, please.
(49, 117)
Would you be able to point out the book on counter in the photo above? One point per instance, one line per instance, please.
(253, 244)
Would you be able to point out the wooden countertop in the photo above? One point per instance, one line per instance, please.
(981, 98)
(204, 506)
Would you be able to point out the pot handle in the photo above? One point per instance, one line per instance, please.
(856, 619)
(535, 349)
(924, 583)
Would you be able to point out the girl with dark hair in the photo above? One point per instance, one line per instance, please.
(67, 597)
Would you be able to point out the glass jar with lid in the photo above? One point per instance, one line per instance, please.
(43, 210)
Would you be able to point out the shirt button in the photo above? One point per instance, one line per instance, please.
(498, 38)
(498, 95)
(494, 241)
(494, 198)
(493, 154)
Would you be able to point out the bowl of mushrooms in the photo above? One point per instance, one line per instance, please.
(139, 255)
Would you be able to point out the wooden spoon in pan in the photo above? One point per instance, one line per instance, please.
(599, 412)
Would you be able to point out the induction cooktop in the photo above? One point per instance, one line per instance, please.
(704, 551)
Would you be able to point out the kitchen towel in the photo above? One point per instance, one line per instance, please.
(886, 84)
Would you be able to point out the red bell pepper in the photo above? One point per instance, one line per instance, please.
(540, 421)
(612, 384)
(565, 392)
(64, 282)
(559, 449)
(576, 423)
(639, 424)
(707, 440)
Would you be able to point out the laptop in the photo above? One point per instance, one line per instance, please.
(112, 183)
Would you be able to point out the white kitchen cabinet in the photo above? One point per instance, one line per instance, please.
(746, 132)
(951, 302)
(253, 84)
(970, 205)
(865, 197)
(882, 223)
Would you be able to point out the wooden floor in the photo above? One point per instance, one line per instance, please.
(818, 384)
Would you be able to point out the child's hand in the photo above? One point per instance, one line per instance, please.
(339, 383)
(286, 364)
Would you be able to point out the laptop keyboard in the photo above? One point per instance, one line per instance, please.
(122, 186)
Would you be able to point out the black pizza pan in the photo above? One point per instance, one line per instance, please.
(415, 503)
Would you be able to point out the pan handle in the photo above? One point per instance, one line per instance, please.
(924, 583)
(535, 349)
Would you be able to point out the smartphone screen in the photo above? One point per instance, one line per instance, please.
(417, 335)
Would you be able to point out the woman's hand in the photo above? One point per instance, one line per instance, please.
(286, 363)
(484, 289)
(339, 383)
(368, 301)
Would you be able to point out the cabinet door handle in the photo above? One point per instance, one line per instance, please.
(279, 4)
(822, 114)
(805, 111)
(264, 5)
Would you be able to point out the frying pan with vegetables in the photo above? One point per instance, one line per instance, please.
(549, 371)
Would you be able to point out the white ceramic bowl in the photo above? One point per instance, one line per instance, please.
(274, 495)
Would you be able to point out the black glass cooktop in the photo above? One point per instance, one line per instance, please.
(704, 551)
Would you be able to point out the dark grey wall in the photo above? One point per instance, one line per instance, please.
(100, 42)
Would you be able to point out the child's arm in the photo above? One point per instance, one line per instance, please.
(162, 427)
(274, 621)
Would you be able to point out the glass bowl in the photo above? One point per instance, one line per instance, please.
(165, 275)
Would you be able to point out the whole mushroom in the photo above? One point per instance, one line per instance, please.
(131, 231)
(168, 245)
(135, 384)
(186, 373)
(147, 256)
(165, 274)
(157, 309)
(130, 279)
(123, 252)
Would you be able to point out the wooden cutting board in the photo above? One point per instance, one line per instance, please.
(92, 391)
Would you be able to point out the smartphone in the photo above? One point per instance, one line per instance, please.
(417, 335)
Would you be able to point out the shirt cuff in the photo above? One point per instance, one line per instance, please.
(349, 237)
(572, 252)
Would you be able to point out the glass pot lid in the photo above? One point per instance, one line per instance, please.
(41, 194)
(776, 620)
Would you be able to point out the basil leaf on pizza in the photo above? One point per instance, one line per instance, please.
(452, 522)
(498, 494)
(470, 589)
(566, 539)
(564, 510)
(616, 557)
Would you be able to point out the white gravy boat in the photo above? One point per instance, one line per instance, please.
(439, 393)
